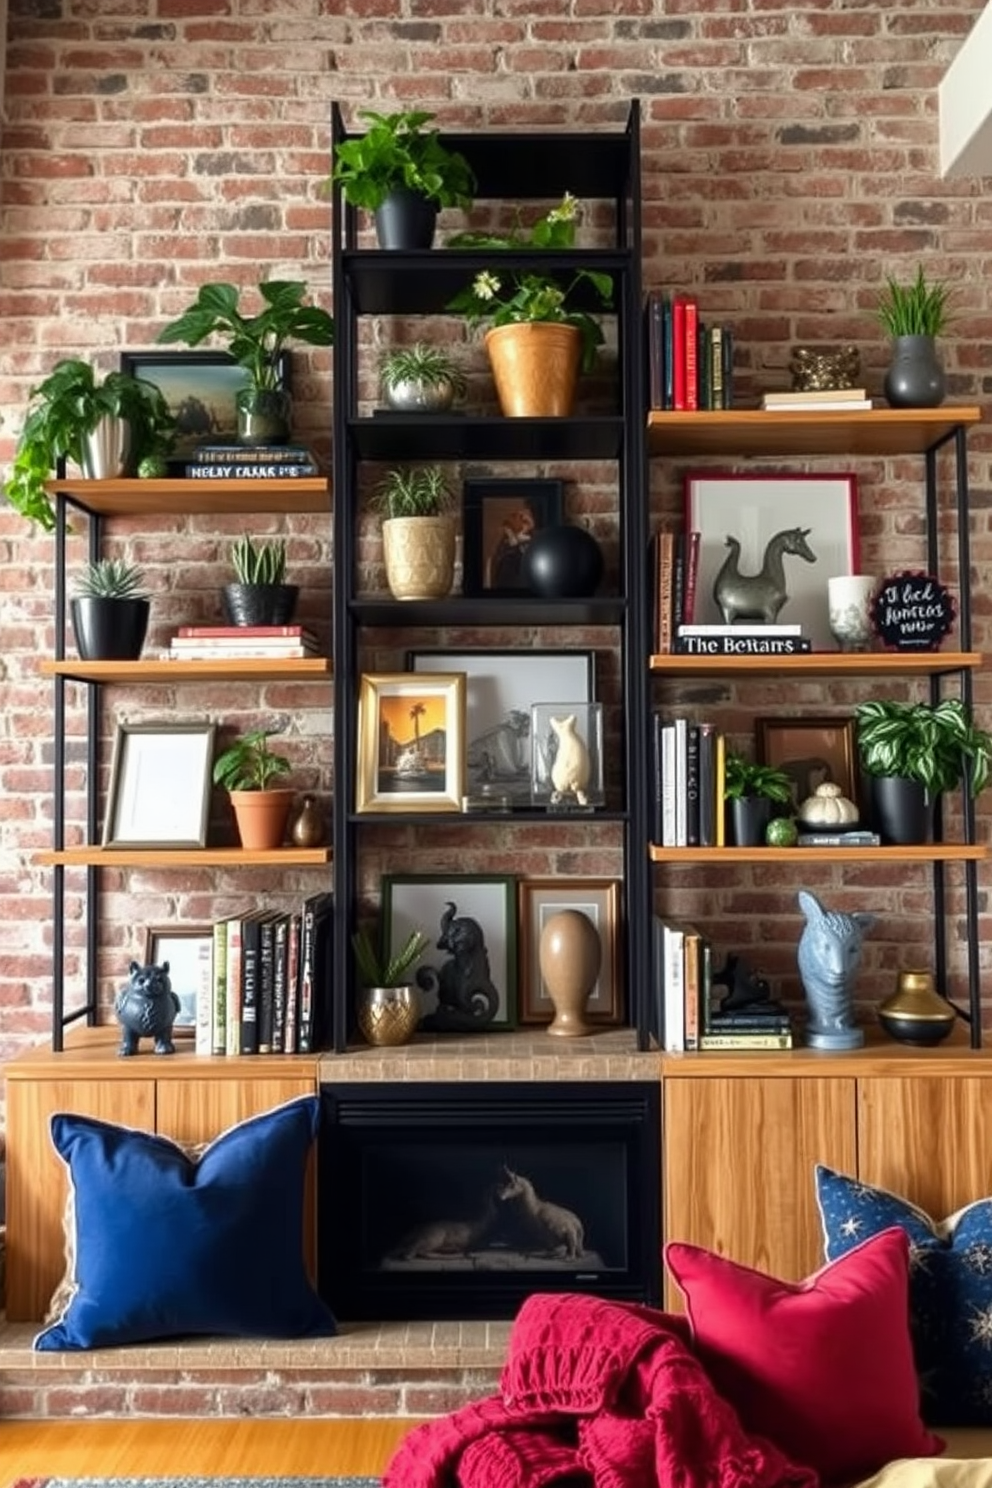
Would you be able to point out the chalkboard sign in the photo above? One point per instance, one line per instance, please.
(912, 611)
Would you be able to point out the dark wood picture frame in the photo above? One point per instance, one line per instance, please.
(811, 750)
(498, 519)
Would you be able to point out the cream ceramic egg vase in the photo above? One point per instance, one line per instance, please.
(570, 954)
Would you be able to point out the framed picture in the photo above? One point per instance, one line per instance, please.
(159, 785)
(421, 902)
(811, 751)
(500, 689)
(748, 526)
(200, 388)
(411, 742)
(189, 951)
(539, 900)
(499, 518)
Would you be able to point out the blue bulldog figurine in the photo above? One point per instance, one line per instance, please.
(829, 955)
(147, 1008)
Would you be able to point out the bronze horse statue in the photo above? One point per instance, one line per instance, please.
(759, 596)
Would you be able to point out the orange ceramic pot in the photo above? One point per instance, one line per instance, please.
(535, 367)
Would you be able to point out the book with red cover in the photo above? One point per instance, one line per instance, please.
(690, 574)
(204, 632)
(691, 354)
(678, 353)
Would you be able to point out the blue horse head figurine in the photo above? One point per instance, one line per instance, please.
(829, 955)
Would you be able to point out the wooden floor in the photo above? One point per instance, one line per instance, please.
(236, 1448)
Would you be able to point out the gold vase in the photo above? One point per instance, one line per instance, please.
(388, 1016)
(916, 1013)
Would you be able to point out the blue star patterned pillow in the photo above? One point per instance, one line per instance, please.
(950, 1289)
(167, 1246)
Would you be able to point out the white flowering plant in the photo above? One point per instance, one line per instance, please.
(522, 295)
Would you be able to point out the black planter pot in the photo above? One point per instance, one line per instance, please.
(901, 812)
(109, 629)
(406, 220)
(749, 818)
(562, 563)
(260, 604)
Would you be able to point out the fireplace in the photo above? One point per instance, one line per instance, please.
(457, 1200)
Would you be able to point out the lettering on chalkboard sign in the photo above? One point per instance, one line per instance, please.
(912, 611)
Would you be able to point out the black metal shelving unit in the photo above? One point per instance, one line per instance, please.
(601, 165)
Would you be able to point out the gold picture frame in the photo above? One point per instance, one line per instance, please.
(599, 898)
(411, 742)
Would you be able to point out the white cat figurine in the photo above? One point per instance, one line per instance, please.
(570, 770)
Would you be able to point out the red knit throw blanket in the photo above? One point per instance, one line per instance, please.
(594, 1395)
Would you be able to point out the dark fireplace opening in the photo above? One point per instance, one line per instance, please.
(458, 1200)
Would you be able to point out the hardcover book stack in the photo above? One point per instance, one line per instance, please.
(251, 461)
(675, 564)
(688, 782)
(685, 1004)
(267, 986)
(235, 642)
(819, 400)
(690, 364)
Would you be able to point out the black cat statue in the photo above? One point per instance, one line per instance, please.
(147, 1008)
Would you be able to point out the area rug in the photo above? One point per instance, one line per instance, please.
(196, 1483)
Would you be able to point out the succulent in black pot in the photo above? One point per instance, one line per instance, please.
(260, 595)
(109, 611)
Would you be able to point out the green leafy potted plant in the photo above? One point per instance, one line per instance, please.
(387, 1007)
(258, 344)
(540, 334)
(259, 594)
(420, 378)
(247, 770)
(753, 790)
(109, 611)
(106, 425)
(418, 531)
(401, 172)
(911, 752)
(914, 315)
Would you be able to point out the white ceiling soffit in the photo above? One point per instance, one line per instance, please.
(966, 105)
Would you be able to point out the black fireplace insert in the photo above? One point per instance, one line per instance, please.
(458, 1200)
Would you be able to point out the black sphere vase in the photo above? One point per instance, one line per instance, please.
(563, 563)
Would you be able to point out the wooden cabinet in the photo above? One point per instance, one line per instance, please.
(182, 1097)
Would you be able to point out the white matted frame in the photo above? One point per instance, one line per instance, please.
(417, 902)
(159, 785)
(501, 687)
(189, 951)
(539, 899)
(753, 507)
(411, 742)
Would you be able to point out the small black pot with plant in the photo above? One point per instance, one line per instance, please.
(260, 595)
(753, 791)
(911, 753)
(401, 172)
(914, 315)
(109, 611)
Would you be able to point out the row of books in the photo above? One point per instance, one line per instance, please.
(675, 567)
(690, 364)
(689, 769)
(266, 988)
(233, 642)
(251, 461)
(686, 1008)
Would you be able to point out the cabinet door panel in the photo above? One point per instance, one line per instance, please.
(36, 1185)
(738, 1166)
(927, 1139)
(199, 1110)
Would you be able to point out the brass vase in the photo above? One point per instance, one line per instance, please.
(916, 1013)
(388, 1016)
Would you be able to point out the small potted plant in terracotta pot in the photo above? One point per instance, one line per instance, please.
(248, 768)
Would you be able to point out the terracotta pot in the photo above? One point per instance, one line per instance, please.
(420, 556)
(261, 817)
(535, 367)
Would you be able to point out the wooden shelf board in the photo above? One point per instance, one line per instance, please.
(835, 663)
(90, 1051)
(138, 498)
(248, 668)
(929, 852)
(183, 857)
(749, 434)
(880, 1056)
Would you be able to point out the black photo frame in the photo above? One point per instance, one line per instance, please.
(499, 517)
(200, 388)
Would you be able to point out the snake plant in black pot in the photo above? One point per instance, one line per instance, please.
(260, 594)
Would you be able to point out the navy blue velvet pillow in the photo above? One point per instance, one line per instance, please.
(167, 1246)
(950, 1289)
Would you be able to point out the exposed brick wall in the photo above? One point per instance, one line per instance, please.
(790, 162)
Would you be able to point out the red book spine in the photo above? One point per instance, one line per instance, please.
(691, 572)
(691, 355)
(206, 631)
(678, 352)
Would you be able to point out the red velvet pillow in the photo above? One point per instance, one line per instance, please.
(822, 1367)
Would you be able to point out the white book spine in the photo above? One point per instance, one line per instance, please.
(681, 786)
(668, 785)
(674, 990)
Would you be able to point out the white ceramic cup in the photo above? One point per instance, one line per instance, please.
(849, 599)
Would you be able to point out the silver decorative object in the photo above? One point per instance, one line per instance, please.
(105, 450)
(759, 596)
(829, 954)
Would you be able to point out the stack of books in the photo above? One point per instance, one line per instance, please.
(749, 638)
(235, 642)
(758, 1026)
(251, 461)
(822, 400)
(685, 1005)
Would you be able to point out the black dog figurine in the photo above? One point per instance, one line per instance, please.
(147, 1008)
